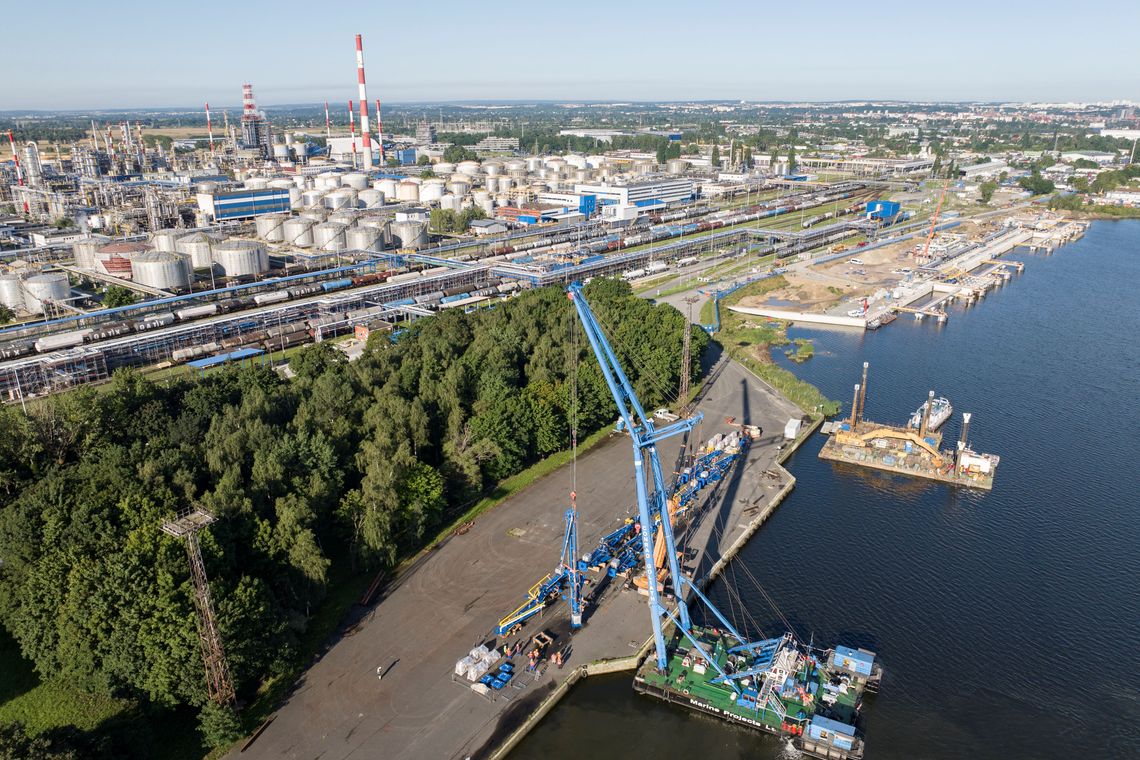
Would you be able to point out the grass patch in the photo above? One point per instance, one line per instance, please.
(803, 350)
(1114, 212)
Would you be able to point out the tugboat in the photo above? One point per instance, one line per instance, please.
(939, 413)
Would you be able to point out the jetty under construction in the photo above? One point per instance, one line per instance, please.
(906, 451)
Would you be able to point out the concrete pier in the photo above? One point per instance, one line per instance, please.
(450, 600)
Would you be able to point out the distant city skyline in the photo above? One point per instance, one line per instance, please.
(670, 51)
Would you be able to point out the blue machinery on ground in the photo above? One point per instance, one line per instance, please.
(567, 577)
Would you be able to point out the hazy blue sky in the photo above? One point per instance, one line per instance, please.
(111, 53)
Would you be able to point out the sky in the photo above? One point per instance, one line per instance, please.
(117, 54)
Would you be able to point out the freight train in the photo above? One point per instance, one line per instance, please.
(73, 338)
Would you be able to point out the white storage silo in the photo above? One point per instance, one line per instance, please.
(269, 227)
(165, 270)
(164, 240)
(409, 234)
(388, 186)
(408, 190)
(370, 198)
(84, 250)
(298, 231)
(533, 164)
(355, 180)
(41, 288)
(329, 236)
(12, 291)
(199, 247)
(449, 202)
(458, 185)
(492, 168)
(239, 258)
(676, 165)
(362, 239)
(431, 190)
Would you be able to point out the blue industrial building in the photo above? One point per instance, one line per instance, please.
(222, 205)
(882, 209)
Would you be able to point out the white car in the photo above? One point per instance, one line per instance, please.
(666, 415)
(856, 261)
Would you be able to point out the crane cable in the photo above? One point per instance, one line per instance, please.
(574, 361)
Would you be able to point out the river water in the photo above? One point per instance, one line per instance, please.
(1008, 622)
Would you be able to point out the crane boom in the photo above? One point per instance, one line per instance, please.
(934, 219)
(644, 436)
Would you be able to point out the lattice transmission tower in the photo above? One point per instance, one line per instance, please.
(218, 683)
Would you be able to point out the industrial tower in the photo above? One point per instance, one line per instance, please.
(186, 525)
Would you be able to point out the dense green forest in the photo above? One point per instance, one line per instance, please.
(347, 468)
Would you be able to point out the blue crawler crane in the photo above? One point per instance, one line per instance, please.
(565, 579)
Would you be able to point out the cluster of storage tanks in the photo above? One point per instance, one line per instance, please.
(168, 260)
(31, 293)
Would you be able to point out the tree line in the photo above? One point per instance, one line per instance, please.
(346, 468)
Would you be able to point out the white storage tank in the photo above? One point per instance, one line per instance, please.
(84, 251)
(533, 164)
(443, 168)
(487, 205)
(281, 183)
(355, 180)
(492, 168)
(312, 197)
(164, 240)
(470, 168)
(199, 247)
(408, 190)
(256, 183)
(298, 231)
(294, 197)
(458, 185)
(576, 160)
(362, 239)
(388, 187)
(239, 258)
(281, 152)
(595, 162)
(431, 190)
(165, 270)
(49, 286)
(676, 165)
(347, 217)
(327, 181)
(269, 227)
(329, 236)
(370, 198)
(492, 184)
(11, 291)
(409, 234)
(449, 202)
(345, 197)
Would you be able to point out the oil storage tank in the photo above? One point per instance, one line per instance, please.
(329, 236)
(362, 239)
(298, 231)
(165, 270)
(240, 258)
(199, 247)
(269, 227)
(409, 234)
(40, 288)
(164, 240)
(12, 291)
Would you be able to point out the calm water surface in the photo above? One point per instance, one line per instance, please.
(1008, 622)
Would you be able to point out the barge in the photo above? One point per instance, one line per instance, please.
(779, 686)
(906, 450)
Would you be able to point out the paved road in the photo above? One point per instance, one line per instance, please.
(433, 614)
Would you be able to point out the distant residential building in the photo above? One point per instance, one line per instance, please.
(902, 131)
(492, 144)
(1127, 134)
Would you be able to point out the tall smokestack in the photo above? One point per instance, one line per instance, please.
(352, 131)
(854, 408)
(363, 93)
(19, 171)
(328, 123)
(926, 415)
(209, 128)
(863, 392)
(379, 132)
(248, 104)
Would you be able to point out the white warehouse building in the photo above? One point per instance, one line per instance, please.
(643, 193)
